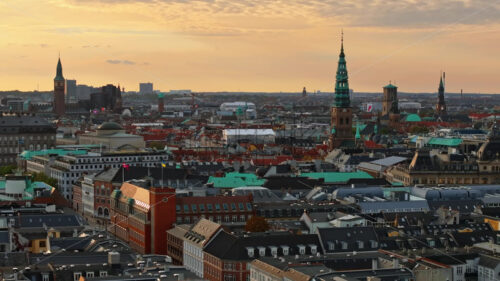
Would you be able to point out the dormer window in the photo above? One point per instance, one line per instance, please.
(286, 250)
(274, 250)
(262, 251)
(314, 249)
(361, 244)
(331, 246)
(250, 251)
(344, 245)
(302, 249)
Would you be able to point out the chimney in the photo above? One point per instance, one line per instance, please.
(114, 259)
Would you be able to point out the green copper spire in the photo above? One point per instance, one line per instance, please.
(342, 84)
(358, 135)
(59, 75)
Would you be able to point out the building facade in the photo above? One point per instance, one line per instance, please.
(23, 132)
(219, 209)
(141, 216)
(68, 168)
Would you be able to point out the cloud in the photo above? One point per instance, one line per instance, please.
(395, 13)
(128, 62)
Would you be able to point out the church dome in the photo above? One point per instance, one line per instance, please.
(107, 126)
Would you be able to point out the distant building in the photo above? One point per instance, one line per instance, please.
(441, 105)
(109, 98)
(145, 88)
(232, 136)
(83, 92)
(23, 132)
(71, 90)
(112, 136)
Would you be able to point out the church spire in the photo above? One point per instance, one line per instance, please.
(342, 83)
(59, 74)
(441, 106)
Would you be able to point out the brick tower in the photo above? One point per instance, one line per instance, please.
(341, 111)
(59, 105)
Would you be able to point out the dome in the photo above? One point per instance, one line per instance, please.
(110, 126)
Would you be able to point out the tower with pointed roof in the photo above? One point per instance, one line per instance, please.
(441, 105)
(59, 106)
(341, 111)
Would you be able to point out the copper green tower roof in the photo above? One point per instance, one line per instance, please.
(59, 75)
(342, 83)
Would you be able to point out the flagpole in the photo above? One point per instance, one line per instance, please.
(123, 174)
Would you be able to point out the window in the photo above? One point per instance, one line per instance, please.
(90, 274)
(178, 208)
(241, 207)
(186, 208)
(202, 208)
(209, 207)
(193, 208)
(233, 206)
(45, 277)
(103, 273)
(42, 244)
(249, 206)
(76, 276)
(217, 207)
(226, 207)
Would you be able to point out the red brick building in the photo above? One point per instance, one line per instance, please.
(226, 256)
(175, 243)
(220, 209)
(141, 215)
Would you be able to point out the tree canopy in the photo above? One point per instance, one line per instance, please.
(256, 224)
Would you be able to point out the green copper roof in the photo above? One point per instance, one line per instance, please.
(390, 86)
(234, 179)
(358, 135)
(333, 130)
(445, 141)
(413, 118)
(161, 95)
(337, 177)
(28, 154)
(59, 75)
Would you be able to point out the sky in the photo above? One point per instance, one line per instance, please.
(251, 45)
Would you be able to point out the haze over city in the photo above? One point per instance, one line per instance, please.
(223, 45)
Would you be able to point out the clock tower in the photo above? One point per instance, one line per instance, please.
(59, 105)
(441, 105)
(341, 111)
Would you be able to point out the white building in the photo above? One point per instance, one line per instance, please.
(248, 108)
(68, 168)
(231, 136)
(194, 242)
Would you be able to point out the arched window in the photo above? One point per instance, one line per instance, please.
(106, 212)
(99, 211)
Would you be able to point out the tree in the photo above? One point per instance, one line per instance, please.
(44, 178)
(256, 224)
(7, 170)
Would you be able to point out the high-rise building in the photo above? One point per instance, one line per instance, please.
(441, 106)
(59, 85)
(341, 111)
(145, 88)
(71, 90)
(109, 98)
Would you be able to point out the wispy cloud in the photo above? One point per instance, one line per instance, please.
(111, 61)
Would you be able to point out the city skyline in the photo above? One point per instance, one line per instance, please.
(251, 45)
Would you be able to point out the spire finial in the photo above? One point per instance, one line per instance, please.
(342, 39)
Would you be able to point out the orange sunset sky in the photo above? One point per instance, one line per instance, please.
(251, 45)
